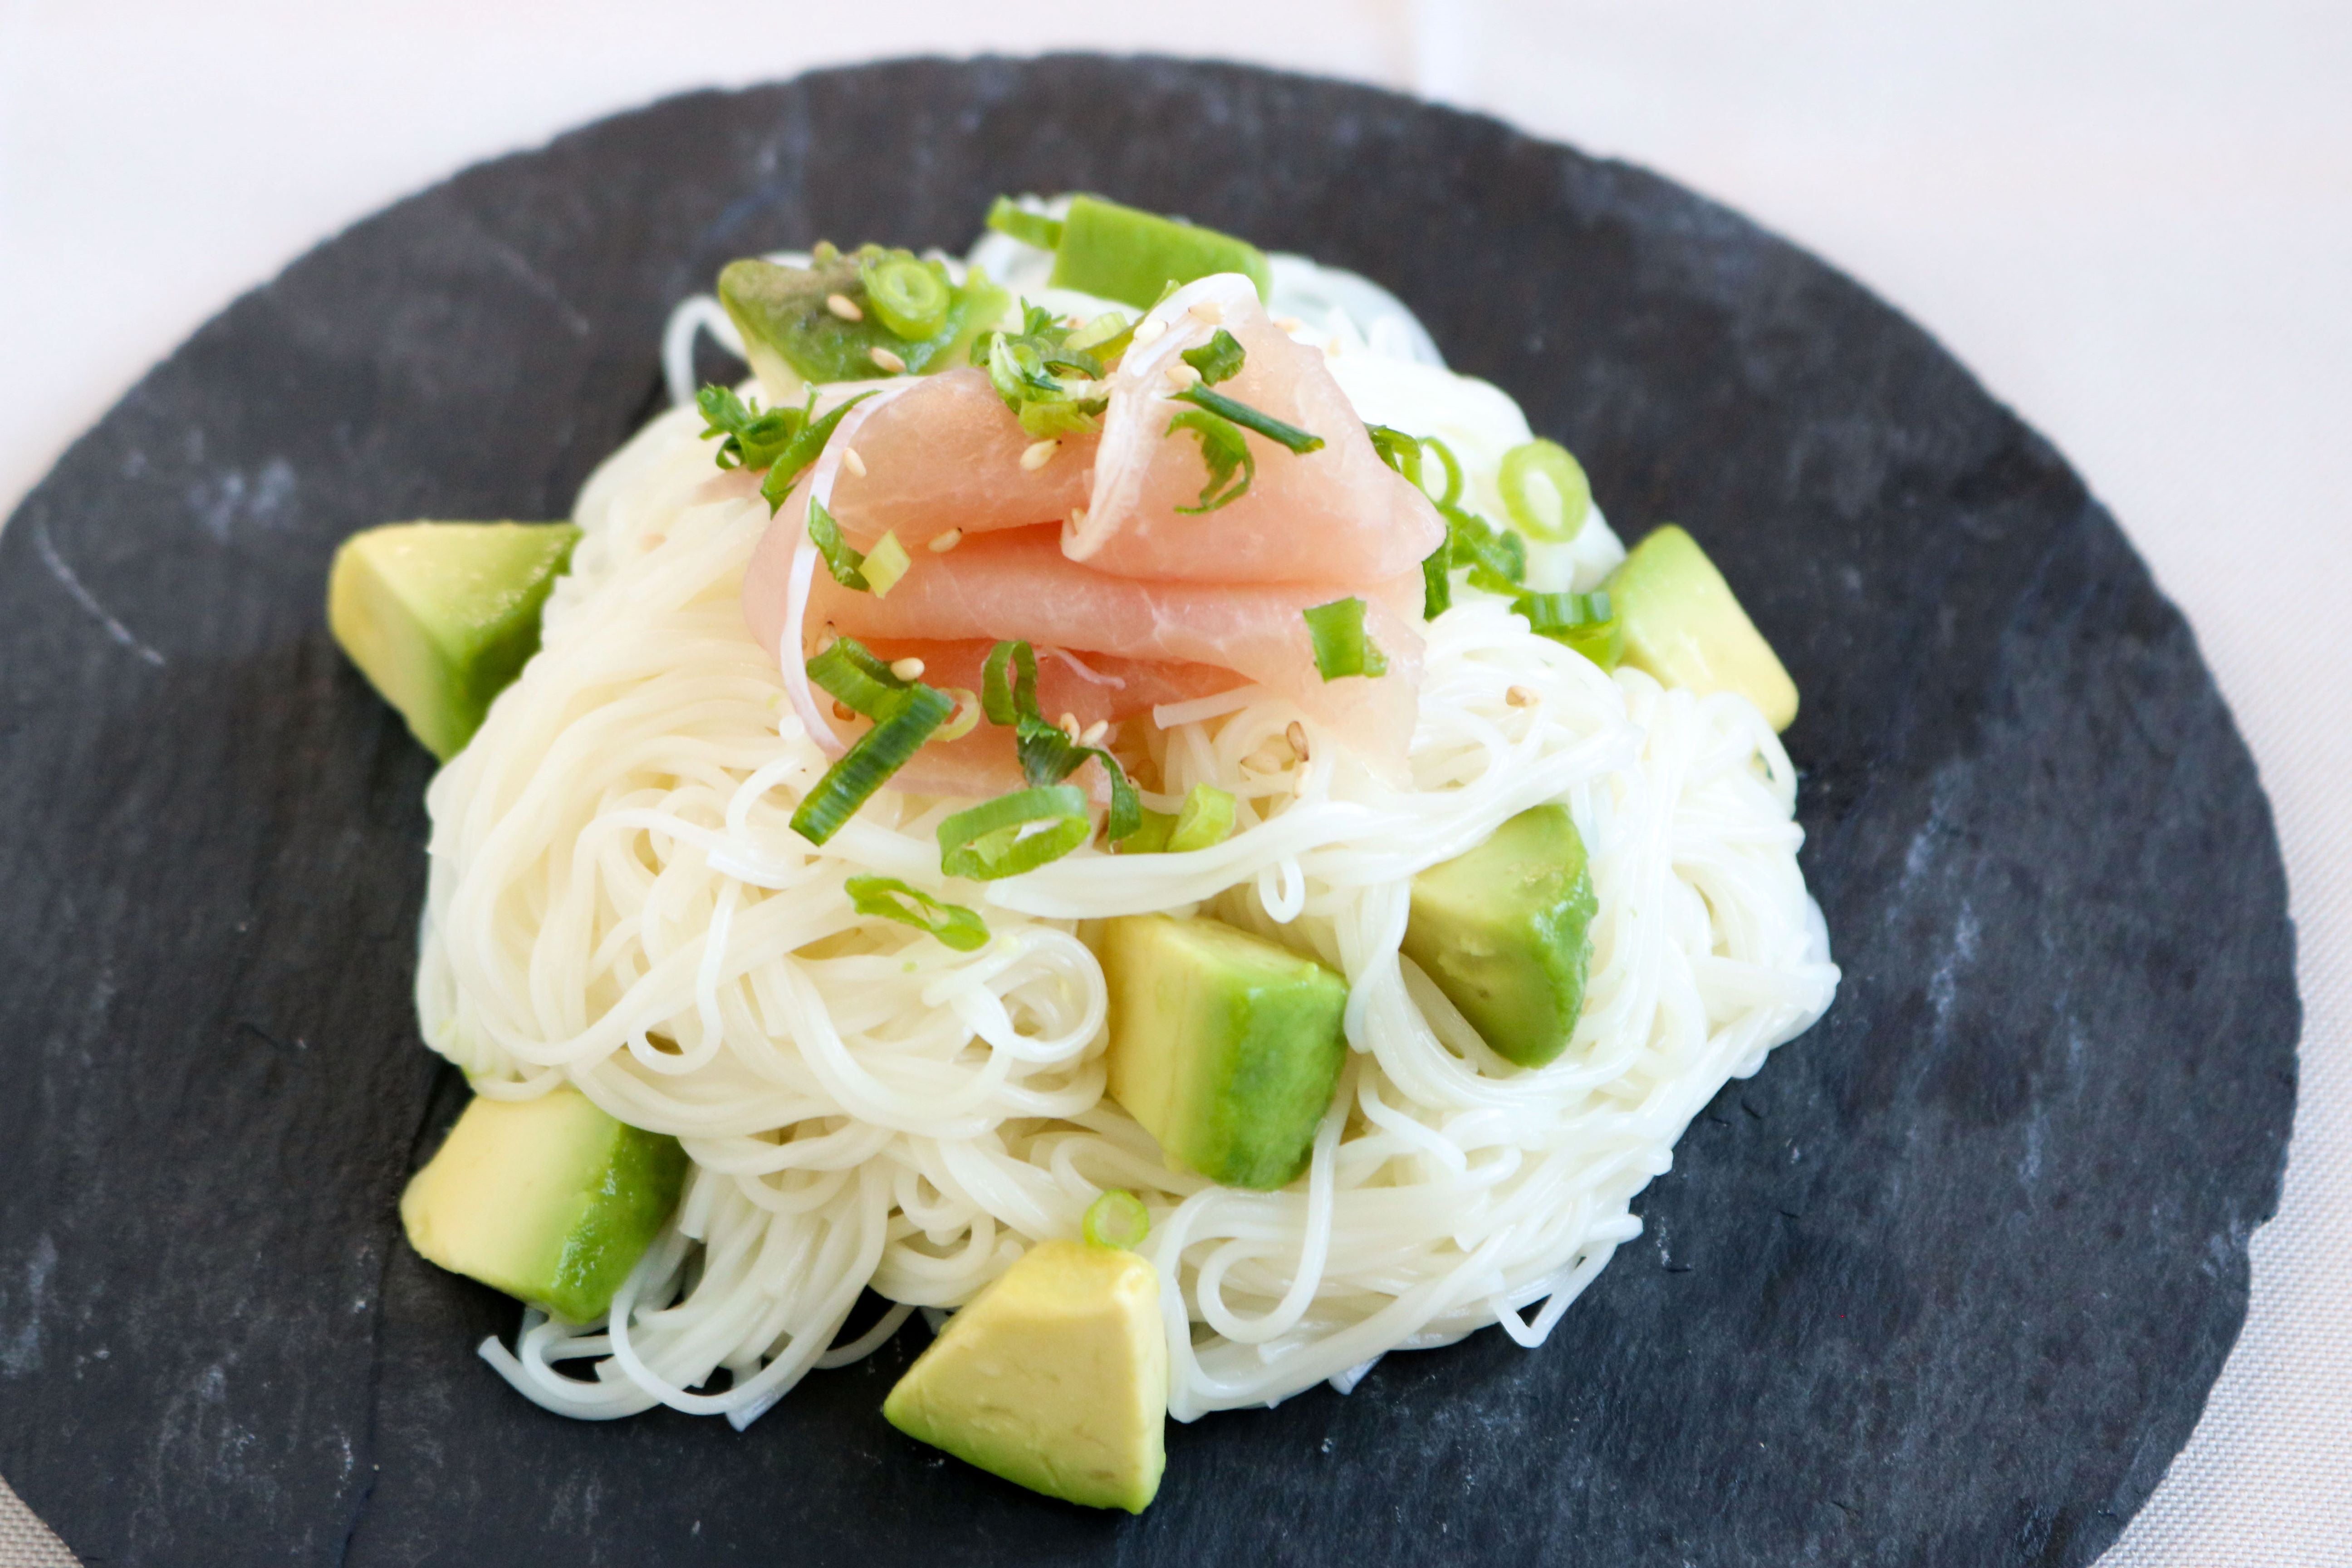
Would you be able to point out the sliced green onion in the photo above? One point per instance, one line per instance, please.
(1030, 228)
(886, 563)
(804, 448)
(1559, 471)
(848, 671)
(1107, 336)
(1050, 418)
(1341, 645)
(1497, 558)
(890, 898)
(1398, 450)
(752, 438)
(1452, 466)
(1205, 821)
(1588, 623)
(1008, 682)
(1118, 1218)
(867, 765)
(1014, 832)
(1150, 835)
(1437, 582)
(839, 559)
(1218, 359)
(1249, 418)
(908, 296)
(967, 715)
(1225, 451)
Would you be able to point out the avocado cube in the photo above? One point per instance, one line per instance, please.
(1225, 1046)
(442, 616)
(1125, 254)
(1683, 626)
(1054, 1377)
(1504, 933)
(549, 1200)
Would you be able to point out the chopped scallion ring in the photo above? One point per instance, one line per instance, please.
(1205, 821)
(892, 900)
(1436, 581)
(1398, 450)
(1534, 467)
(1014, 832)
(909, 297)
(899, 731)
(839, 559)
(848, 672)
(1341, 645)
(1118, 1218)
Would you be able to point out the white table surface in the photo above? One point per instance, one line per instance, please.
(2135, 223)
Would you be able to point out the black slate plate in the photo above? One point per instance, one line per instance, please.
(1946, 1284)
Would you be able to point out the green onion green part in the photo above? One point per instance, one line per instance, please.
(1497, 558)
(899, 731)
(908, 297)
(886, 563)
(1534, 466)
(1398, 450)
(1006, 217)
(1107, 336)
(1224, 452)
(1118, 1218)
(753, 439)
(1014, 832)
(1009, 696)
(1008, 682)
(1249, 418)
(1341, 645)
(1437, 582)
(804, 448)
(862, 683)
(1218, 359)
(839, 559)
(1451, 495)
(890, 898)
(1588, 623)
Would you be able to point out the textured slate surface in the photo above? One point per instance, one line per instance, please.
(1946, 1284)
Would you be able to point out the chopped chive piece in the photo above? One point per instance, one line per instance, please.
(885, 565)
(753, 439)
(1558, 472)
(803, 450)
(1006, 217)
(1341, 647)
(892, 900)
(1107, 336)
(848, 672)
(1118, 1218)
(1249, 418)
(1218, 359)
(1437, 582)
(908, 296)
(1009, 696)
(1451, 495)
(1008, 682)
(1225, 451)
(899, 731)
(1014, 832)
(1398, 450)
(1588, 623)
(1497, 558)
(1205, 821)
(839, 559)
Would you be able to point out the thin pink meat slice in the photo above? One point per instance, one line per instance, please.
(945, 453)
(1019, 584)
(1335, 515)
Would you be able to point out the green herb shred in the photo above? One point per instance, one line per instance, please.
(1341, 645)
(839, 559)
(1009, 697)
(1225, 451)
(1218, 359)
(1588, 623)
(1014, 832)
(1248, 418)
(890, 898)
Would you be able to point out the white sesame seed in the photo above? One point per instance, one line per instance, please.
(843, 710)
(943, 543)
(1039, 454)
(852, 462)
(1181, 375)
(885, 359)
(1094, 732)
(1205, 310)
(1298, 783)
(845, 307)
(1296, 735)
(1521, 697)
(1069, 725)
(1152, 330)
(909, 668)
(1265, 760)
(1288, 323)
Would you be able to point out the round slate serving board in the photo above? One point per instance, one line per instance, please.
(1946, 1283)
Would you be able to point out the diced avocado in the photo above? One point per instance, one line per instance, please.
(1502, 930)
(1123, 253)
(549, 1200)
(1054, 1377)
(792, 336)
(441, 616)
(1683, 625)
(1225, 1046)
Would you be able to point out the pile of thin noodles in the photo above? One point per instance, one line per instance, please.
(616, 900)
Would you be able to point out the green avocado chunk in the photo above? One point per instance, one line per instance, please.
(1225, 1046)
(442, 616)
(1054, 1377)
(794, 336)
(549, 1200)
(1126, 254)
(1684, 626)
(1502, 930)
